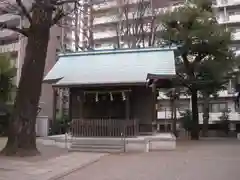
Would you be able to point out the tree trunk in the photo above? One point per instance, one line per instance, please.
(195, 125)
(205, 115)
(22, 135)
(76, 30)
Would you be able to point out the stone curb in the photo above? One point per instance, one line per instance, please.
(61, 175)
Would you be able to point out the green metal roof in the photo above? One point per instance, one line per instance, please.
(112, 66)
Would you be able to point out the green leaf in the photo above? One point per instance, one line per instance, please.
(7, 74)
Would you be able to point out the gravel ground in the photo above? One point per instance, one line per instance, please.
(215, 159)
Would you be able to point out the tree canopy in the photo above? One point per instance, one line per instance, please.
(203, 49)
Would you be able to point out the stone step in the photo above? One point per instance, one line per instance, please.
(108, 145)
(99, 141)
(103, 146)
(96, 150)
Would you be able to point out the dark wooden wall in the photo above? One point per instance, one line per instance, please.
(140, 105)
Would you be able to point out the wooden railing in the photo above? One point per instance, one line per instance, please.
(104, 127)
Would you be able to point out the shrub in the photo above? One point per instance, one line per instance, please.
(186, 120)
(60, 126)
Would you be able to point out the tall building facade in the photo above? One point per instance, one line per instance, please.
(103, 22)
(228, 14)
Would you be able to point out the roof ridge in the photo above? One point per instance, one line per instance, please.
(114, 51)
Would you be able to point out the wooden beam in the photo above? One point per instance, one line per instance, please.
(106, 91)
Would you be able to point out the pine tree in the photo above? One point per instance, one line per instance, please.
(202, 44)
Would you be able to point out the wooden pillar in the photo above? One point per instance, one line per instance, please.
(154, 111)
(127, 106)
(70, 105)
(81, 96)
(54, 110)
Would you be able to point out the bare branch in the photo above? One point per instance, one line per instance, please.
(23, 31)
(138, 27)
(24, 10)
(58, 16)
(60, 3)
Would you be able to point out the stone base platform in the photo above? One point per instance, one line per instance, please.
(158, 141)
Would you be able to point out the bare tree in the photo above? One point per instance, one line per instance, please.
(138, 24)
(41, 16)
(83, 25)
(135, 25)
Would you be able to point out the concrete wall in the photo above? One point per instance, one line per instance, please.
(46, 100)
(42, 126)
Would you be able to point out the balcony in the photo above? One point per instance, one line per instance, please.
(104, 46)
(106, 20)
(117, 17)
(9, 48)
(104, 35)
(225, 3)
(229, 19)
(110, 4)
(213, 117)
(105, 5)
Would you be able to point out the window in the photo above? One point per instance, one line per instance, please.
(224, 1)
(218, 107)
(97, 45)
(200, 108)
(214, 107)
(236, 30)
(232, 13)
(222, 106)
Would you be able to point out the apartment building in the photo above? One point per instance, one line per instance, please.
(101, 20)
(228, 14)
(14, 44)
(225, 100)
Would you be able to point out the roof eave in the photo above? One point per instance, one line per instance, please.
(100, 84)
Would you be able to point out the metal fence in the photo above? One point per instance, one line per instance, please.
(104, 127)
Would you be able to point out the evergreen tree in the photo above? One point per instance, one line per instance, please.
(202, 44)
(7, 73)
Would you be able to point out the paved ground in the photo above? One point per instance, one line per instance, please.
(204, 160)
(49, 169)
(47, 152)
(53, 162)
